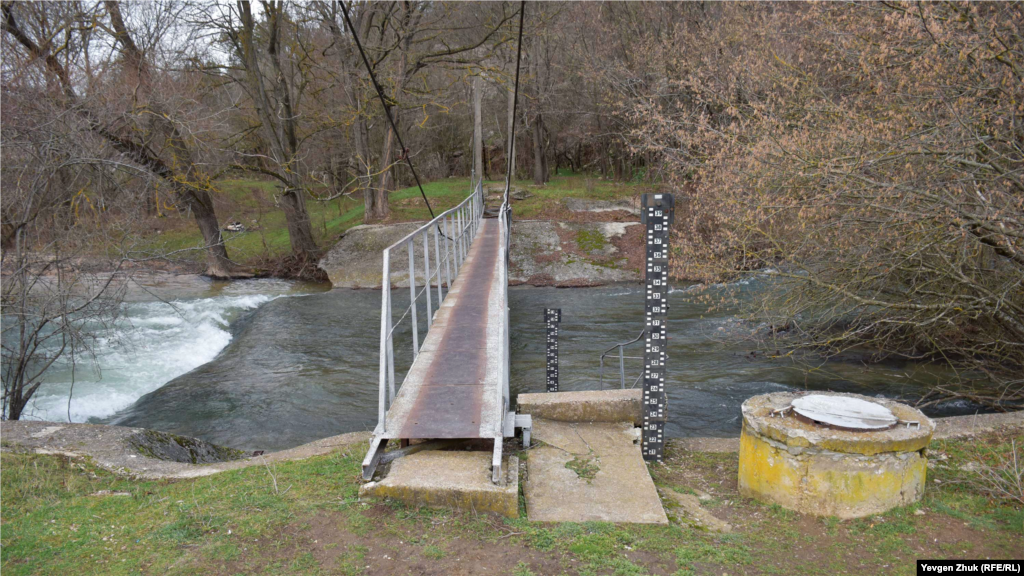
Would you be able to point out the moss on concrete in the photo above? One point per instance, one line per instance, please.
(826, 483)
(591, 240)
(586, 467)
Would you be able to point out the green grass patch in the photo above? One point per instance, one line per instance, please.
(60, 517)
(585, 467)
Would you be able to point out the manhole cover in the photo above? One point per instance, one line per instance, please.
(844, 412)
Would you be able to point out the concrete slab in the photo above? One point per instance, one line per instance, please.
(589, 472)
(450, 479)
(585, 406)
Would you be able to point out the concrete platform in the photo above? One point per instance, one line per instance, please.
(589, 471)
(450, 479)
(586, 406)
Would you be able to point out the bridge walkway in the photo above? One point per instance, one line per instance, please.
(453, 389)
(457, 386)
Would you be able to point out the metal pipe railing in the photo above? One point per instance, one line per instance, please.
(458, 226)
(622, 358)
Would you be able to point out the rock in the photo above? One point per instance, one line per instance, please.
(356, 261)
(163, 446)
(918, 512)
(543, 253)
(687, 510)
(520, 194)
(584, 205)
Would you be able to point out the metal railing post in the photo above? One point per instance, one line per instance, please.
(458, 239)
(437, 266)
(622, 370)
(447, 255)
(390, 343)
(385, 306)
(426, 276)
(412, 298)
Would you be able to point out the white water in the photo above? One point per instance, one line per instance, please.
(153, 343)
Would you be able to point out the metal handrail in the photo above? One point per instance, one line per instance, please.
(460, 225)
(504, 402)
(622, 366)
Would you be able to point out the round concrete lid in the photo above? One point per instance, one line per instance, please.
(761, 417)
(844, 412)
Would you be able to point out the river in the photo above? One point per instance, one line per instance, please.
(271, 364)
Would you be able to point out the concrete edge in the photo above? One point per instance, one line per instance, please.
(432, 490)
(112, 458)
(584, 406)
(106, 446)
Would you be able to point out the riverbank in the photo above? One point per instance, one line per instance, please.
(259, 243)
(68, 515)
(117, 448)
(542, 253)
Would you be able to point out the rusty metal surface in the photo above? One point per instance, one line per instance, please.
(450, 398)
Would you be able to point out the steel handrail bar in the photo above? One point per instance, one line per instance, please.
(412, 234)
(637, 339)
(622, 367)
(435, 274)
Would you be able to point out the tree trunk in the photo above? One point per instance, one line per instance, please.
(510, 149)
(278, 126)
(538, 150)
(380, 209)
(478, 131)
(300, 229)
(217, 263)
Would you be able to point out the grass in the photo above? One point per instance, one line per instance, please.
(54, 522)
(585, 467)
(252, 203)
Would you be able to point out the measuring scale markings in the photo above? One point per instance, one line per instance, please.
(657, 215)
(552, 318)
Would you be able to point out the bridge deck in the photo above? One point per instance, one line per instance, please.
(453, 389)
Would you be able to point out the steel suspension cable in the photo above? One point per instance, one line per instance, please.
(515, 106)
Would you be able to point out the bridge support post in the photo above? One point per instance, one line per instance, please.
(412, 297)
(437, 265)
(426, 276)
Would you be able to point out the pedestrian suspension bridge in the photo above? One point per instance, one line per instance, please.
(457, 387)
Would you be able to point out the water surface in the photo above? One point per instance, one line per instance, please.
(303, 367)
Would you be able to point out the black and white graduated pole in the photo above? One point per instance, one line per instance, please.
(657, 216)
(552, 318)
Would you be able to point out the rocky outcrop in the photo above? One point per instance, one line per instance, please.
(356, 260)
(543, 253)
(585, 205)
(548, 253)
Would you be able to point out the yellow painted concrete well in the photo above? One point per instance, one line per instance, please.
(813, 469)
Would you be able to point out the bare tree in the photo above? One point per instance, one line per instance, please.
(53, 216)
(191, 196)
(870, 158)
